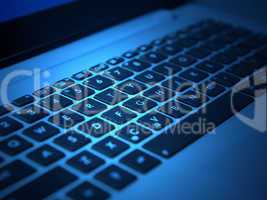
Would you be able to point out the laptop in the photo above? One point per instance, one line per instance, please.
(131, 100)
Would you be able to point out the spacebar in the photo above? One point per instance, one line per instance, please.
(44, 186)
(196, 125)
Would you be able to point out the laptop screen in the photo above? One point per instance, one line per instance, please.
(31, 27)
(12, 9)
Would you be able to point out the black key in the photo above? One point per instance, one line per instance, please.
(187, 42)
(201, 34)
(184, 35)
(110, 147)
(118, 73)
(63, 83)
(134, 133)
(87, 191)
(66, 119)
(111, 96)
(209, 67)
(44, 92)
(115, 61)
(14, 172)
(237, 51)
(231, 37)
(119, 115)
(115, 177)
(96, 127)
(78, 92)
(225, 79)
(154, 57)
(80, 76)
(262, 53)
(140, 104)
(4, 109)
(85, 162)
(214, 44)
(131, 87)
(193, 98)
(99, 68)
(177, 84)
(159, 93)
(41, 131)
(31, 114)
(254, 41)
(224, 58)
(199, 52)
(140, 161)
(175, 109)
(256, 61)
(72, 141)
(98, 82)
(144, 48)
(158, 42)
(9, 125)
(155, 121)
(45, 155)
(184, 60)
(241, 69)
(176, 138)
(210, 88)
(130, 54)
(167, 69)
(23, 101)
(136, 65)
(89, 107)
(194, 75)
(149, 77)
(171, 49)
(39, 188)
(14, 145)
(55, 102)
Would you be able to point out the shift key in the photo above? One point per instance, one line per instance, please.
(45, 185)
(14, 172)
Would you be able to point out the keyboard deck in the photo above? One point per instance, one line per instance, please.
(122, 118)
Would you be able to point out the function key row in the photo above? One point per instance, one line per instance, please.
(23, 101)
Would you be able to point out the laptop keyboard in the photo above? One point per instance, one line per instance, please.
(99, 115)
